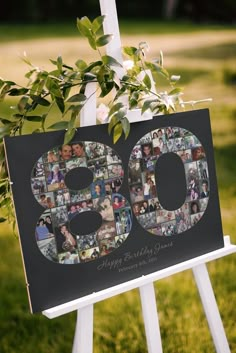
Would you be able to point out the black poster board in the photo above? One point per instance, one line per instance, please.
(117, 212)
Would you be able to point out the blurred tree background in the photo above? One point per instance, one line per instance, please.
(53, 10)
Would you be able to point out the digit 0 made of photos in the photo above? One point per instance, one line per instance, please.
(54, 237)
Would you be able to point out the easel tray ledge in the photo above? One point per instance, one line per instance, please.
(139, 282)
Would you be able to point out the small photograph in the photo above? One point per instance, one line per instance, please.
(99, 172)
(159, 133)
(65, 240)
(76, 196)
(149, 187)
(68, 258)
(59, 215)
(85, 205)
(157, 230)
(185, 155)
(191, 141)
(203, 204)
(160, 144)
(134, 172)
(55, 177)
(194, 207)
(184, 133)
(115, 170)
(169, 133)
(62, 197)
(165, 216)
(147, 220)
(75, 163)
(154, 205)
(44, 229)
(65, 152)
(46, 200)
(97, 163)
(202, 169)
(73, 210)
(183, 225)
(87, 241)
(143, 207)
(95, 150)
(48, 248)
(123, 219)
(148, 165)
(182, 213)
(136, 208)
(85, 255)
(118, 201)
(193, 192)
(78, 149)
(145, 139)
(136, 193)
(51, 156)
(169, 228)
(191, 172)
(103, 205)
(112, 185)
(136, 152)
(98, 189)
(176, 132)
(106, 246)
(198, 153)
(204, 188)
(180, 143)
(38, 170)
(107, 230)
(120, 239)
(38, 185)
(112, 157)
(147, 150)
(170, 145)
(95, 253)
(196, 218)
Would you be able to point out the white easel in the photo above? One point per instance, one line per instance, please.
(83, 340)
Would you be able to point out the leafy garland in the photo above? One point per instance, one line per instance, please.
(64, 88)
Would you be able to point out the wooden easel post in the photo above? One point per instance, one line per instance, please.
(83, 339)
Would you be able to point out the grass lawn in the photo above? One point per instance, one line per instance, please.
(205, 58)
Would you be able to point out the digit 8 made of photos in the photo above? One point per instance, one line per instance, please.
(55, 239)
(141, 176)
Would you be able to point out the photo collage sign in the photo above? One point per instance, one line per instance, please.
(92, 214)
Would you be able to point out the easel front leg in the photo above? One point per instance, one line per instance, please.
(83, 340)
(211, 309)
(150, 316)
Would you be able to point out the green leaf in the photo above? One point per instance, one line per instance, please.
(2, 219)
(53, 87)
(117, 132)
(81, 64)
(5, 130)
(115, 108)
(77, 98)
(17, 91)
(106, 88)
(60, 104)
(39, 100)
(114, 120)
(84, 25)
(147, 81)
(109, 60)
(60, 125)
(34, 118)
(69, 135)
(130, 51)
(59, 63)
(4, 91)
(148, 104)
(126, 126)
(97, 23)
(76, 108)
(22, 103)
(104, 39)
(157, 68)
(174, 91)
(92, 65)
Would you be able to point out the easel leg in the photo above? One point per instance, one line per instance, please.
(150, 316)
(83, 340)
(211, 309)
